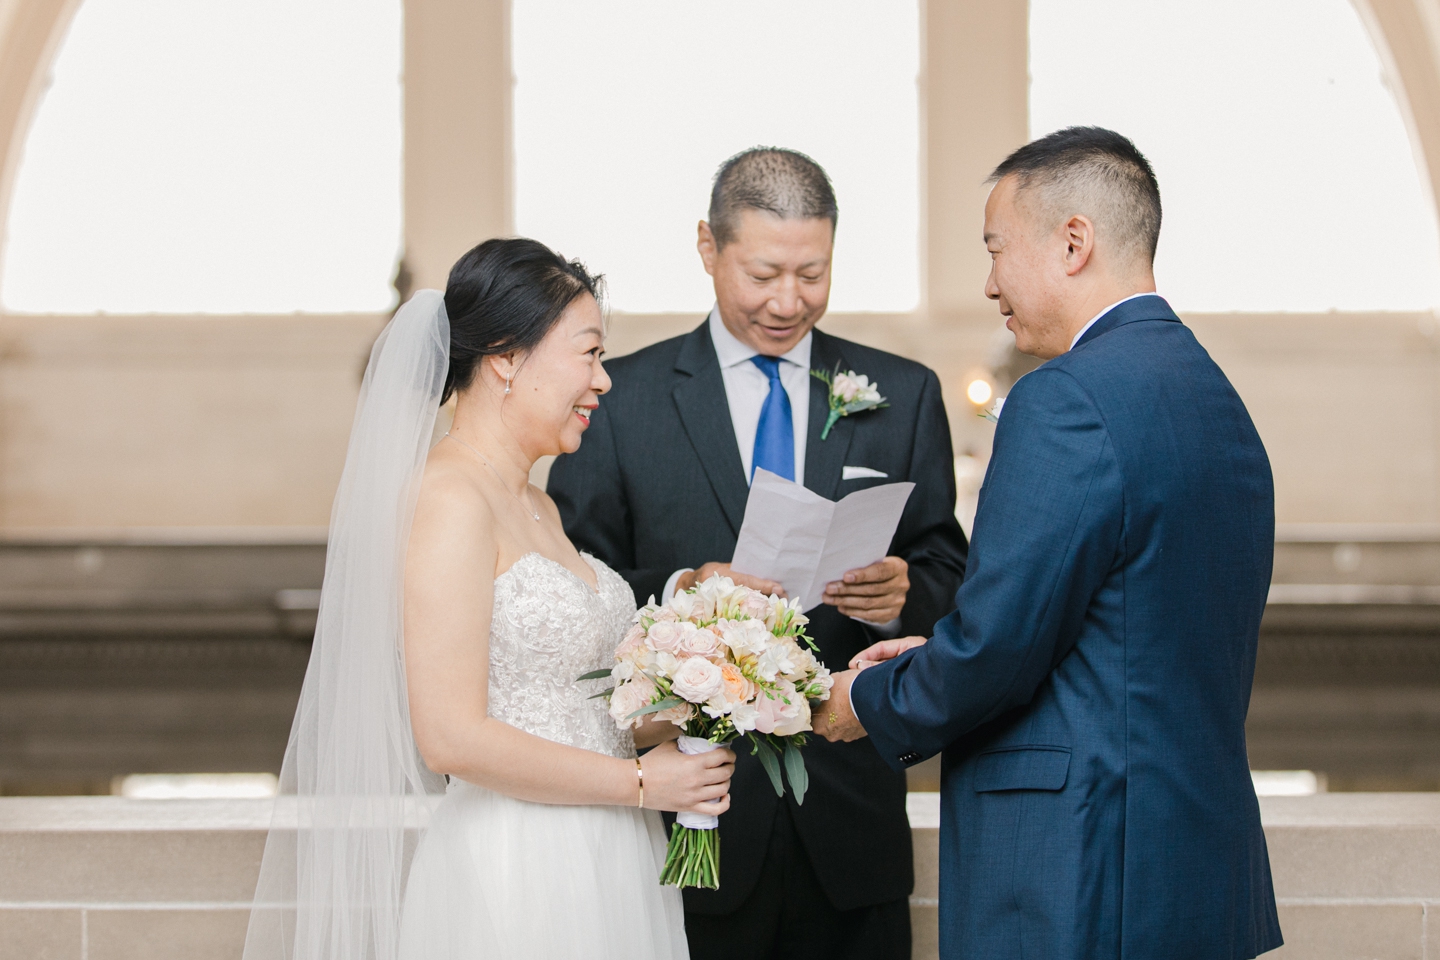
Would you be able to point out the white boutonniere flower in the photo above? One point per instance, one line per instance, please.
(850, 392)
(993, 414)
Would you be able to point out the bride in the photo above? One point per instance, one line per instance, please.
(454, 621)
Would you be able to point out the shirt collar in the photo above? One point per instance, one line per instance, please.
(731, 352)
(1084, 329)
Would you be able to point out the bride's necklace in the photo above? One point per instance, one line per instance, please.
(534, 515)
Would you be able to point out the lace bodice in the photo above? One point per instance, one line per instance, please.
(548, 628)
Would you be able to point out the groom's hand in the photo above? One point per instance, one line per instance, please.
(884, 650)
(835, 719)
(875, 593)
(767, 587)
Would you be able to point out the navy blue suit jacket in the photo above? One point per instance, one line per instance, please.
(1089, 693)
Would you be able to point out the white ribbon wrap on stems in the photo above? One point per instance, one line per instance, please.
(691, 746)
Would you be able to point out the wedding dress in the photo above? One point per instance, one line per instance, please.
(498, 877)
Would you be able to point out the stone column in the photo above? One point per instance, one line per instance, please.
(458, 85)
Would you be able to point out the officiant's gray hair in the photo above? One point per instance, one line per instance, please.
(784, 182)
(1094, 172)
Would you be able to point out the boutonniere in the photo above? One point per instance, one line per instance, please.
(993, 414)
(850, 392)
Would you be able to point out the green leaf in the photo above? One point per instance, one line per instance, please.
(665, 704)
(594, 675)
(769, 761)
(795, 770)
(602, 693)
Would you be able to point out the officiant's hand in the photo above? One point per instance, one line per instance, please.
(884, 650)
(835, 719)
(875, 593)
(767, 587)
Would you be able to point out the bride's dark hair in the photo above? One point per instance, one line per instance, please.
(506, 295)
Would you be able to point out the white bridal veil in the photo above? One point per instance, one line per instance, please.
(353, 788)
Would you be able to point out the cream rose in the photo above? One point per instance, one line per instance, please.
(845, 387)
(697, 680)
(665, 637)
(700, 642)
(756, 606)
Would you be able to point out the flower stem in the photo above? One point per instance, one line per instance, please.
(830, 421)
(692, 859)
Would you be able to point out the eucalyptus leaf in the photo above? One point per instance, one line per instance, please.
(769, 761)
(594, 675)
(795, 771)
(665, 704)
(602, 693)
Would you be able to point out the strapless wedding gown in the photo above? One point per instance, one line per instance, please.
(496, 877)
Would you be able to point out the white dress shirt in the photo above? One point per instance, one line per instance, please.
(746, 388)
(1148, 293)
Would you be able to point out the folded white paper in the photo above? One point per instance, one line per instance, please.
(859, 473)
(804, 541)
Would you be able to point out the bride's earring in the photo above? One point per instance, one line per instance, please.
(507, 384)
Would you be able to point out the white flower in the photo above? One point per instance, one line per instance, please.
(745, 637)
(697, 680)
(993, 414)
(684, 604)
(744, 716)
(622, 671)
(846, 386)
(775, 661)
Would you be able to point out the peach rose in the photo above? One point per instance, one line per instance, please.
(736, 688)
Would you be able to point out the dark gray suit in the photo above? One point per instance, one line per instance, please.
(658, 485)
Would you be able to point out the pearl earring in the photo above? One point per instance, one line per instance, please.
(507, 384)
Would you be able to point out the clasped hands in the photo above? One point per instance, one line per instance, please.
(835, 719)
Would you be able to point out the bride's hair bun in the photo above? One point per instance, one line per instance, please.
(504, 296)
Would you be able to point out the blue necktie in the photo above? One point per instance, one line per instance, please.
(775, 434)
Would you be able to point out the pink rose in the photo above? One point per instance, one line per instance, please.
(676, 715)
(664, 615)
(665, 636)
(756, 606)
(634, 640)
(697, 680)
(845, 387)
(778, 717)
(700, 643)
(629, 697)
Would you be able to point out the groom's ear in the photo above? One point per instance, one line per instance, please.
(1079, 243)
(709, 249)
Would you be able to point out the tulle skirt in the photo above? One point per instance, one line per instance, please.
(496, 877)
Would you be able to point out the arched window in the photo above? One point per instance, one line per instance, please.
(625, 108)
(1288, 179)
(233, 156)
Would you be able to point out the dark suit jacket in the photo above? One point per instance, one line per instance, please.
(658, 485)
(1090, 691)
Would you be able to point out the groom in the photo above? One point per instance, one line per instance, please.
(658, 491)
(1089, 693)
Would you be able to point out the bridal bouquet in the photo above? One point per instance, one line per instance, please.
(720, 661)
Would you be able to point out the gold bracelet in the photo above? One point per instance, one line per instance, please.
(640, 775)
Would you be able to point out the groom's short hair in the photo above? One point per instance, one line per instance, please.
(1094, 172)
(783, 182)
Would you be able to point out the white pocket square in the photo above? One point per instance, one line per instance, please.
(856, 473)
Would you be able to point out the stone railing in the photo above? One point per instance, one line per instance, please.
(100, 877)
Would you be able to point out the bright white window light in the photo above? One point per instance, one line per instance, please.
(231, 156)
(197, 786)
(624, 109)
(1287, 783)
(1288, 180)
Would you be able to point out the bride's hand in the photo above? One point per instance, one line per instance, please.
(698, 784)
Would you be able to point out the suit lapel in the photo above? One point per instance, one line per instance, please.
(825, 459)
(705, 413)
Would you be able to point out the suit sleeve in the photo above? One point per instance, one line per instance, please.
(929, 537)
(1047, 533)
(591, 494)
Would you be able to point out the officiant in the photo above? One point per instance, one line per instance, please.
(658, 491)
